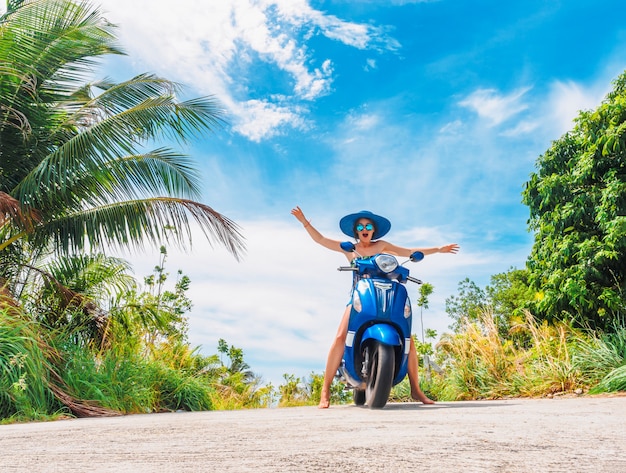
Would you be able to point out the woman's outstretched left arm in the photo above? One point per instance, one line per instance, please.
(401, 251)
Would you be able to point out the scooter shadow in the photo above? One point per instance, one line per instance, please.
(413, 406)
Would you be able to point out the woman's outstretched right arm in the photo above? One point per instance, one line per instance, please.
(313, 233)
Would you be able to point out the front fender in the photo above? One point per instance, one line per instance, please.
(384, 333)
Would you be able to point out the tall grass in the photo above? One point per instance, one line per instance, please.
(614, 381)
(546, 365)
(131, 382)
(603, 361)
(24, 392)
(535, 359)
(120, 383)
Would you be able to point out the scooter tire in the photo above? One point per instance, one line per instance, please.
(358, 395)
(380, 379)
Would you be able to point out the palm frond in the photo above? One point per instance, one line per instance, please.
(135, 223)
(158, 172)
(98, 276)
(117, 135)
(11, 211)
(58, 40)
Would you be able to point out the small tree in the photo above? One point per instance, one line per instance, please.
(153, 314)
(506, 297)
(426, 289)
(468, 304)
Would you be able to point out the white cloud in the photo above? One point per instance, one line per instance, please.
(357, 35)
(215, 46)
(370, 64)
(453, 128)
(364, 122)
(522, 128)
(351, 34)
(260, 119)
(495, 107)
(567, 98)
(553, 112)
(300, 12)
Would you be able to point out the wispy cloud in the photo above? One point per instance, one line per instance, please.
(215, 47)
(552, 109)
(567, 98)
(523, 127)
(495, 107)
(370, 64)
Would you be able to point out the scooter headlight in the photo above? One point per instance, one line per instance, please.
(386, 263)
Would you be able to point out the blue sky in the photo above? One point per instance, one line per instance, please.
(431, 113)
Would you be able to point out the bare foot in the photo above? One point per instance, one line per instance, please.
(324, 401)
(420, 396)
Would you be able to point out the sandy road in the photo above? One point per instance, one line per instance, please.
(586, 434)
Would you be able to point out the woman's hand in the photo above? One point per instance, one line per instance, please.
(452, 248)
(297, 212)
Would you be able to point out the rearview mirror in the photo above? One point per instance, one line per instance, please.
(417, 256)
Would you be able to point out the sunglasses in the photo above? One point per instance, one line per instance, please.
(369, 227)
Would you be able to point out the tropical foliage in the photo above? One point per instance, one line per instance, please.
(499, 349)
(23, 390)
(577, 202)
(82, 173)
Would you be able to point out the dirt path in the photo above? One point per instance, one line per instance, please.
(558, 435)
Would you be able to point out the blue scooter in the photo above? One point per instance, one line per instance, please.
(379, 330)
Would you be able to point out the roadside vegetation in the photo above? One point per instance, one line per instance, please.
(82, 173)
(531, 358)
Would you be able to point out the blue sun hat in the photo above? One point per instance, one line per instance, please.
(381, 224)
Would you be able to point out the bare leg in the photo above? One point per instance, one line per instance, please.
(335, 355)
(416, 392)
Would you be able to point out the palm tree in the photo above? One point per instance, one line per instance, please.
(76, 173)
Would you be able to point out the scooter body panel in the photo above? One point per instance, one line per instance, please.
(382, 317)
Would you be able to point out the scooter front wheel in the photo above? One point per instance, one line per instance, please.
(380, 378)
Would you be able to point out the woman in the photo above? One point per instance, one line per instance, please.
(367, 228)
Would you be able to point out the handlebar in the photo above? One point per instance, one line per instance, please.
(353, 269)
